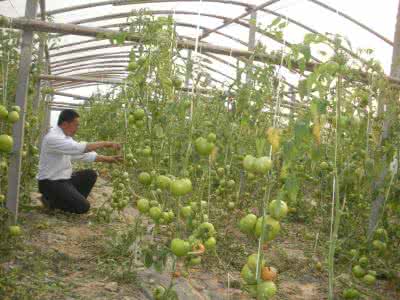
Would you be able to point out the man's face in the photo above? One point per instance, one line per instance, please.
(70, 128)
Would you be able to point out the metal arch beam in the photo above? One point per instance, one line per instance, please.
(353, 54)
(123, 67)
(77, 78)
(169, 12)
(121, 15)
(92, 64)
(249, 6)
(283, 42)
(74, 96)
(180, 24)
(22, 23)
(119, 71)
(347, 17)
(115, 25)
(79, 84)
(124, 2)
(249, 11)
(65, 62)
(109, 55)
(236, 3)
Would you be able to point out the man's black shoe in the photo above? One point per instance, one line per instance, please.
(45, 202)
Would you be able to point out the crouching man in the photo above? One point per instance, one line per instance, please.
(60, 187)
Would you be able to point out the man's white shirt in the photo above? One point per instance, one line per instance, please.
(56, 154)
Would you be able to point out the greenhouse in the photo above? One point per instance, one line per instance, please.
(199, 149)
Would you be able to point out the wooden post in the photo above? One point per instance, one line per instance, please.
(189, 68)
(252, 40)
(38, 93)
(14, 172)
(377, 204)
(40, 62)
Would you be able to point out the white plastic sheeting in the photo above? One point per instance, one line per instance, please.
(378, 15)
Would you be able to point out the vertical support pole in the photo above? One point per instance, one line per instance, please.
(252, 39)
(395, 67)
(189, 68)
(377, 203)
(38, 93)
(292, 101)
(14, 172)
(42, 44)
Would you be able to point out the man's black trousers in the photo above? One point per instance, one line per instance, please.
(69, 194)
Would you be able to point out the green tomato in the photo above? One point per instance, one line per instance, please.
(181, 187)
(262, 165)
(146, 152)
(278, 209)
(210, 243)
(3, 112)
(144, 178)
(358, 271)
(207, 228)
(186, 212)
(6, 143)
(248, 162)
(252, 262)
(139, 114)
(324, 165)
(180, 247)
(171, 216)
(155, 213)
(203, 147)
(158, 292)
(266, 290)
(247, 275)
(353, 253)
(139, 123)
(220, 171)
(212, 137)
(195, 261)
(13, 117)
(16, 108)
(271, 228)
(382, 234)
(143, 205)
(351, 293)
(163, 182)
(15, 230)
(231, 183)
(363, 261)
(248, 223)
(369, 279)
(378, 245)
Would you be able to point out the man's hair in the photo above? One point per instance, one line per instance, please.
(67, 115)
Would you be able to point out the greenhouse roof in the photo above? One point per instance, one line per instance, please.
(221, 23)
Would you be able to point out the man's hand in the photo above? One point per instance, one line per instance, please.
(109, 159)
(98, 145)
(115, 146)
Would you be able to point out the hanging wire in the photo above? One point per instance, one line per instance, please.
(16, 10)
